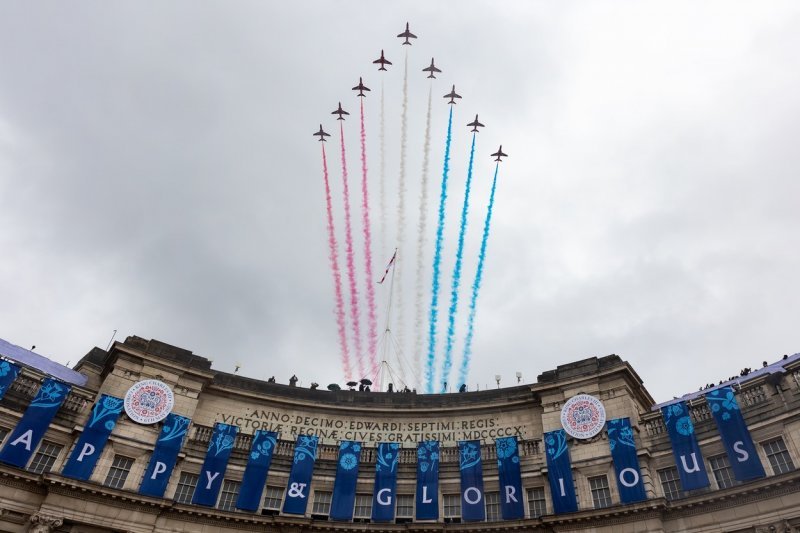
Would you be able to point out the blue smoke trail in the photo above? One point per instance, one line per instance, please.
(437, 259)
(451, 317)
(462, 375)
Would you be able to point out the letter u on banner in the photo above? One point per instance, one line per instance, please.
(469, 463)
(559, 472)
(168, 445)
(33, 425)
(344, 488)
(626, 462)
(213, 471)
(427, 499)
(511, 503)
(95, 434)
(383, 495)
(689, 459)
(736, 438)
(255, 474)
(8, 373)
(305, 454)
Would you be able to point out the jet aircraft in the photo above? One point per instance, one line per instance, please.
(499, 153)
(321, 133)
(361, 88)
(340, 112)
(475, 124)
(382, 61)
(431, 69)
(452, 95)
(407, 35)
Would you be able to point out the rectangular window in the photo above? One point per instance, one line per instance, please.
(363, 506)
(536, 502)
(3, 433)
(228, 495)
(670, 483)
(186, 484)
(118, 472)
(452, 507)
(601, 495)
(492, 506)
(322, 503)
(273, 497)
(723, 473)
(45, 456)
(778, 456)
(405, 508)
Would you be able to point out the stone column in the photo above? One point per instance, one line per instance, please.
(42, 523)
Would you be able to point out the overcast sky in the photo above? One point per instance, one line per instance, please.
(158, 177)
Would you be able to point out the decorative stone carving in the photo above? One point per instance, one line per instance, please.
(777, 527)
(42, 523)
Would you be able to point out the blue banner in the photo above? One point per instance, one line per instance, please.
(469, 463)
(626, 462)
(344, 487)
(168, 445)
(427, 499)
(511, 504)
(559, 472)
(736, 438)
(8, 373)
(383, 494)
(33, 424)
(685, 449)
(213, 471)
(255, 475)
(93, 439)
(297, 488)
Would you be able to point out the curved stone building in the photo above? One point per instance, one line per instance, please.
(44, 493)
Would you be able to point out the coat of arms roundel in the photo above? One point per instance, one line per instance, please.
(149, 401)
(583, 416)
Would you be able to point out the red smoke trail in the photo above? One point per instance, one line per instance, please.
(351, 267)
(372, 319)
(337, 275)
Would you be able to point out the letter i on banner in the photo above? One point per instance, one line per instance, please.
(8, 373)
(255, 475)
(165, 454)
(559, 472)
(427, 499)
(213, 471)
(305, 454)
(626, 462)
(344, 488)
(33, 424)
(736, 438)
(469, 463)
(95, 434)
(691, 468)
(511, 504)
(383, 495)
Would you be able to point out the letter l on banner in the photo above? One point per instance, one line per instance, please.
(427, 499)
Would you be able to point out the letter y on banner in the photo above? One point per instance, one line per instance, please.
(213, 471)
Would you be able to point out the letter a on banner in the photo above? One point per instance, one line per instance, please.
(559, 472)
(427, 499)
(164, 456)
(691, 468)
(255, 474)
(8, 373)
(94, 437)
(511, 503)
(626, 462)
(383, 495)
(344, 488)
(469, 463)
(736, 438)
(297, 489)
(213, 471)
(31, 428)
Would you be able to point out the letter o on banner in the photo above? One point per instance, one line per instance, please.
(635, 477)
(477, 495)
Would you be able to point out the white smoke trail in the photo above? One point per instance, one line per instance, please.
(383, 176)
(401, 193)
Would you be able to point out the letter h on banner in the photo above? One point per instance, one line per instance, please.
(685, 449)
(213, 471)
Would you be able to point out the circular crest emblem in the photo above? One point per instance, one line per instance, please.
(583, 416)
(149, 401)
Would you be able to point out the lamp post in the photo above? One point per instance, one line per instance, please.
(497, 379)
(519, 377)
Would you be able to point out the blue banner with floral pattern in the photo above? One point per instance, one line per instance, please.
(213, 471)
(33, 424)
(511, 504)
(688, 458)
(559, 472)
(469, 463)
(626, 462)
(165, 453)
(297, 488)
(8, 373)
(255, 475)
(385, 488)
(736, 438)
(87, 450)
(344, 487)
(427, 499)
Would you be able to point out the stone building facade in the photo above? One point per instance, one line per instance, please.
(39, 498)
